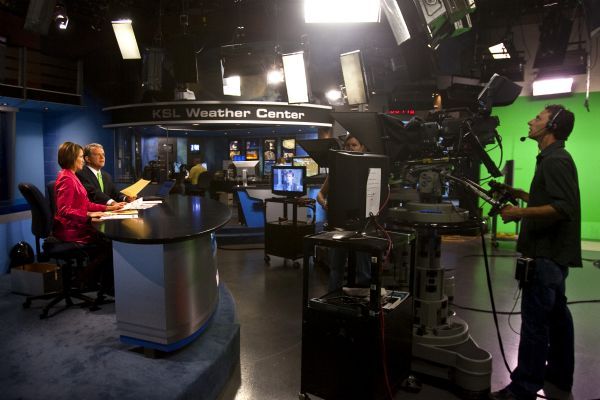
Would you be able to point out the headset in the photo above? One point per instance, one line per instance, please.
(551, 126)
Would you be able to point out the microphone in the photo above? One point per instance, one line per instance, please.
(523, 138)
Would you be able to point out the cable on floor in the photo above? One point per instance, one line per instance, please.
(483, 310)
(491, 292)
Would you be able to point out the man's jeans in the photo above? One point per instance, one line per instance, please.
(546, 333)
(337, 265)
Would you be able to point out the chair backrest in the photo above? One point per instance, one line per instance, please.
(252, 208)
(51, 196)
(41, 216)
(204, 180)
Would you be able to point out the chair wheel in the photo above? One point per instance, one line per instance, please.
(27, 304)
(296, 264)
(303, 396)
(267, 259)
(44, 314)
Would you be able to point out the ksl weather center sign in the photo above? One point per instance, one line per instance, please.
(219, 113)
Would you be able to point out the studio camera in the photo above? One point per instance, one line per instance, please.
(440, 156)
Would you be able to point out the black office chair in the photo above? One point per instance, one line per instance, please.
(66, 254)
(50, 195)
(203, 185)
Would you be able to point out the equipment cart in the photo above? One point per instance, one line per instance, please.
(283, 238)
(354, 347)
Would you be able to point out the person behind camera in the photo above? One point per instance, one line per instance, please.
(74, 212)
(337, 255)
(551, 237)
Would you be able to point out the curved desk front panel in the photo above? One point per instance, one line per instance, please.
(165, 268)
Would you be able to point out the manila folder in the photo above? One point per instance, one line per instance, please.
(133, 190)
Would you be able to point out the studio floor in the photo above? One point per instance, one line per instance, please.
(268, 301)
(268, 305)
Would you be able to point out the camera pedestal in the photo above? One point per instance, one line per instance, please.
(442, 346)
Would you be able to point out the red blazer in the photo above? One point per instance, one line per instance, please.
(71, 223)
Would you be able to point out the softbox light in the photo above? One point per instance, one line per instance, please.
(295, 77)
(354, 77)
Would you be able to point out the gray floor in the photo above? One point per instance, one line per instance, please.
(268, 299)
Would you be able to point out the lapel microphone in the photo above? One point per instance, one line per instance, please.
(523, 138)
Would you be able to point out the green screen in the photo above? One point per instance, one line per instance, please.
(583, 144)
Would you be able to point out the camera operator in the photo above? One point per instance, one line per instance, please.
(550, 241)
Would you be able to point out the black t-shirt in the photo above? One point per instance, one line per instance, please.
(554, 183)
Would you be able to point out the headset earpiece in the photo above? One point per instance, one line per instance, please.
(551, 126)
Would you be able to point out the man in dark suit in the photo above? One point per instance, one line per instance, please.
(98, 183)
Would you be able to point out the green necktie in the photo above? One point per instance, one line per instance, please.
(99, 175)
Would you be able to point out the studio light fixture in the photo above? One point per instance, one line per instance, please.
(295, 77)
(126, 39)
(550, 86)
(354, 77)
(275, 76)
(341, 11)
(60, 17)
(396, 20)
(232, 86)
(499, 51)
(335, 97)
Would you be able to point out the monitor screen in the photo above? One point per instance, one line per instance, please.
(251, 144)
(251, 154)
(267, 166)
(357, 188)
(288, 180)
(194, 148)
(312, 168)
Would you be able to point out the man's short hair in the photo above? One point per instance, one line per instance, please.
(67, 154)
(561, 121)
(87, 151)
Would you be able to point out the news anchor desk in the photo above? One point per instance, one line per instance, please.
(165, 265)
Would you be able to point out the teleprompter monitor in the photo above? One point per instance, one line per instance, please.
(289, 181)
(365, 126)
(318, 149)
(312, 168)
(358, 188)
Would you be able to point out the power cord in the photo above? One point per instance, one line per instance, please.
(491, 292)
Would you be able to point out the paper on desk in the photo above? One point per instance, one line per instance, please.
(118, 216)
(122, 211)
(140, 204)
(133, 190)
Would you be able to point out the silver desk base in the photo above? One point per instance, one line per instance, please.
(165, 293)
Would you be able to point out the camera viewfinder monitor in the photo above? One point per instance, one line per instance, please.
(288, 181)
(357, 187)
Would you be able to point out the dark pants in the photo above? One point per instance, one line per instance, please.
(99, 269)
(546, 349)
(337, 265)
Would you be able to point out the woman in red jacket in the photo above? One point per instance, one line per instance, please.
(74, 213)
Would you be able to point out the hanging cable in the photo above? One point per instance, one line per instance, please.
(490, 290)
